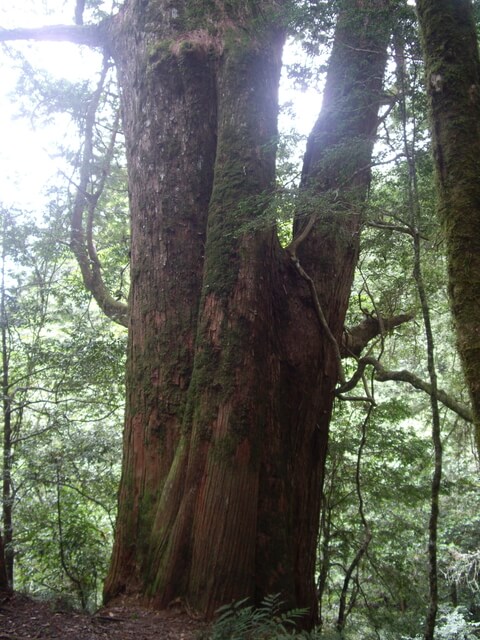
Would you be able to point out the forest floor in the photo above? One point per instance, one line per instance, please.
(22, 618)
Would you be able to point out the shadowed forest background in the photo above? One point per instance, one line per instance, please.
(297, 418)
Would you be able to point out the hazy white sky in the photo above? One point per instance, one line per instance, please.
(27, 162)
(27, 151)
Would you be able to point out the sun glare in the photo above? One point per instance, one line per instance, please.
(27, 156)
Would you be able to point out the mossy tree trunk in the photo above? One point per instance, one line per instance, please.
(233, 341)
(453, 83)
(231, 377)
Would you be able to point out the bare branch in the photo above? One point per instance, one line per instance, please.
(356, 338)
(90, 35)
(384, 375)
(84, 247)
(390, 227)
(303, 235)
(367, 533)
(374, 224)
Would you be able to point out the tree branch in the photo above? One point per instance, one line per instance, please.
(79, 9)
(356, 338)
(291, 250)
(297, 241)
(90, 35)
(84, 247)
(384, 375)
(367, 536)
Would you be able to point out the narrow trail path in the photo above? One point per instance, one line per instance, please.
(22, 618)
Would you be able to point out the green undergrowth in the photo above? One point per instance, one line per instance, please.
(243, 621)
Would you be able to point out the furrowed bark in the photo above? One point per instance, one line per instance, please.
(169, 113)
(215, 524)
(453, 83)
(230, 374)
(335, 184)
(228, 506)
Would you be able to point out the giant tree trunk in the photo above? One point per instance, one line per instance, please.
(453, 81)
(231, 376)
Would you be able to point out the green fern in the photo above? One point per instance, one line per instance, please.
(243, 621)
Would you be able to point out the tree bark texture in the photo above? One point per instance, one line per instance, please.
(453, 84)
(4, 586)
(6, 543)
(231, 379)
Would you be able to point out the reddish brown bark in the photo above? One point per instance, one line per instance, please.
(227, 505)
(335, 178)
(225, 441)
(233, 341)
(169, 105)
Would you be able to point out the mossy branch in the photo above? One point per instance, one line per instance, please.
(384, 375)
(82, 244)
(356, 338)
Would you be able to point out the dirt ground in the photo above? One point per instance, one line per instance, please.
(22, 618)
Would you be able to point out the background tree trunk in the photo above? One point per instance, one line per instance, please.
(6, 546)
(231, 377)
(4, 586)
(453, 82)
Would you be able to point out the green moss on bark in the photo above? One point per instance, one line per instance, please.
(453, 84)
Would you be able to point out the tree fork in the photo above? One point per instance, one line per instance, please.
(230, 380)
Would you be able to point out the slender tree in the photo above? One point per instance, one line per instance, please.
(4, 586)
(6, 544)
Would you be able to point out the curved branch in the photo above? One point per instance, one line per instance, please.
(90, 35)
(384, 375)
(356, 338)
(83, 246)
(297, 241)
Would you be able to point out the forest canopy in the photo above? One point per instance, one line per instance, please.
(260, 310)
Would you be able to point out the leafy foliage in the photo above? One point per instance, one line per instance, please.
(243, 621)
(65, 392)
